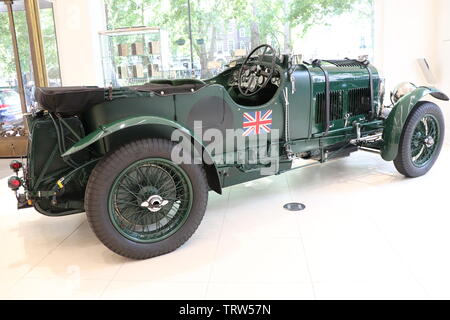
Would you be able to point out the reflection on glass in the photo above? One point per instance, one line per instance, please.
(10, 104)
(226, 30)
(50, 43)
(133, 56)
(23, 42)
(10, 110)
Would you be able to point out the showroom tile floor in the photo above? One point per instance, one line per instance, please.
(367, 232)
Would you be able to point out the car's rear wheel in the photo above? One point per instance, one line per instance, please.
(141, 204)
(421, 140)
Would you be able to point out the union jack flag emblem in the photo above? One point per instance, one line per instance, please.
(257, 122)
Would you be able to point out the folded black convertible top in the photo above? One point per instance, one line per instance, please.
(76, 100)
(69, 100)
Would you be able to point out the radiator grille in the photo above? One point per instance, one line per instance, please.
(347, 63)
(359, 101)
(336, 106)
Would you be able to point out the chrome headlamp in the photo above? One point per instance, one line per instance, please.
(401, 90)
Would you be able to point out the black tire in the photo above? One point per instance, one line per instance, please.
(404, 162)
(100, 185)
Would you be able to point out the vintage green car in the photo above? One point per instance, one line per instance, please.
(110, 151)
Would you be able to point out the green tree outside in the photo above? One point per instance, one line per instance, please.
(266, 21)
(7, 65)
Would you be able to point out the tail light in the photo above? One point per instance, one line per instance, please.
(14, 183)
(15, 165)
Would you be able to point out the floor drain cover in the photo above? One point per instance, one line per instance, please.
(294, 206)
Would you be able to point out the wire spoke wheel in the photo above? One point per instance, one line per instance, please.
(421, 140)
(150, 200)
(140, 204)
(424, 141)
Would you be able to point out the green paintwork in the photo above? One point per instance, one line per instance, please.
(342, 79)
(129, 114)
(110, 128)
(144, 124)
(397, 118)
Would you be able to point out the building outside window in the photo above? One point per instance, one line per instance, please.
(228, 30)
(242, 33)
(219, 47)
(231, 45)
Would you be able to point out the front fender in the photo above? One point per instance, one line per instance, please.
(110, 128)
(397, 118)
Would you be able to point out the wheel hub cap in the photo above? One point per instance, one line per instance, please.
(154, 203)
(150, 200)
(429, 141)
(425, 140)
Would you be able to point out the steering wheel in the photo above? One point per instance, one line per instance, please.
(255, 72)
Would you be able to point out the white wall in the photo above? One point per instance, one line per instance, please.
(442, 65)
(443, 44)
(77, 25)
(406, 30)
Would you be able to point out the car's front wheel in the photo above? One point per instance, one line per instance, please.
(421, 140)
(140, 204)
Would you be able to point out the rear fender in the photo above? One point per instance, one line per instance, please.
(397, 118)
(119, 125)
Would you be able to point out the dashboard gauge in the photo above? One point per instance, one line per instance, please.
(261, 80)
(233, 78)
(252, 85)
(275, 81)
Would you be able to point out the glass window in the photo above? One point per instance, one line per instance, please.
(242, 32)
(223, 30)
(10, 89)
(219, 47)
(23, 42)
(50, 43)
(345, 35)
(11, 120)
(8, 75)
(231, 45)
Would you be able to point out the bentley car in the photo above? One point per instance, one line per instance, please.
(109, 151)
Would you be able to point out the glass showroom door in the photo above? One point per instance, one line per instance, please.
(23, 57)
